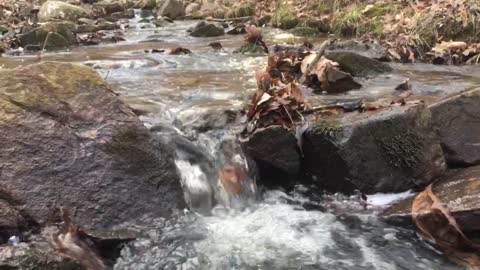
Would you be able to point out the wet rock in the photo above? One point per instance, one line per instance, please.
(277, 147)
(38, 256)
(204, 29)
(200, 120)
(367, 49)
(127, 14)
(90, 28)
(457, 121)
(458, 190)
(11, 221)
(69, 141)
(61, 36)
(171, 8)
(389, 150)
(192, 8)
(109, 7)
(358, 65)
(57, 10)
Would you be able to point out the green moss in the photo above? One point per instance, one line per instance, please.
(404, 149)
(328, 129)
(305, 31)
(285, 17)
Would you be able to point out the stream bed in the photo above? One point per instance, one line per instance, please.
(190, 97)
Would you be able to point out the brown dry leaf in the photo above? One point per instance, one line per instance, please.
(437, 225)
(294, 91)
(180, 50)
(322, 69)
(73, 243)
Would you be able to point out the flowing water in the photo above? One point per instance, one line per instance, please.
(190, 101)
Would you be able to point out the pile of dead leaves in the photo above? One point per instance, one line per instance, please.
(455, 53)
(275, 103)
(438, 226)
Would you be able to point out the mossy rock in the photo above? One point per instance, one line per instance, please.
(285, 17)
(60, 35)
(388, 150)
(304, 31)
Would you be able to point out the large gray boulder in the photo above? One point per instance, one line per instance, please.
(388, 150)
(458, 190)
(204, 29)
(171, 8)
(68, 141)
(457, 122)
(58, 10)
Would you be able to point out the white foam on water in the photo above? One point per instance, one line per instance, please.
(275, 234)
(385, 199)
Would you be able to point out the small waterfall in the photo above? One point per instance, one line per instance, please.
(214, 171)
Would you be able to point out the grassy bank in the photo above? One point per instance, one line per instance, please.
(412, 28)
